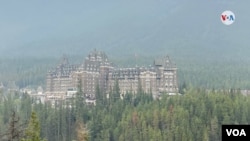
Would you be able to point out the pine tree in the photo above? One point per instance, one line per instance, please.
(15, 130)
(33, 131)
(116, 91)
(99, 96)
(205, 135)
(82, 132)
(79, 101)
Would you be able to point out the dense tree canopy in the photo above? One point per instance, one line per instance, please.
(196, 115)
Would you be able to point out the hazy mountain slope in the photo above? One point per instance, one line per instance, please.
(183, 29)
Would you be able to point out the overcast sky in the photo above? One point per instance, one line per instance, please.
(28, 21)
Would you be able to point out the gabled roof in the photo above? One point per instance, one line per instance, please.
(164, 62)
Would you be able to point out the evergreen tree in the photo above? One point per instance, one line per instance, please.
(15, 130)
(116, 91)
(79, 101)
(32, 133)
(82, 132)
(100, 98)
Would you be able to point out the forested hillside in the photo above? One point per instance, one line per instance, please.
(197, 115)
(217, 74)
(208, 54)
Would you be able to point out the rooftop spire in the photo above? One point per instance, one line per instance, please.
(64, 60)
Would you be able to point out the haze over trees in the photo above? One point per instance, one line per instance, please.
(207, 53)
(212, 59)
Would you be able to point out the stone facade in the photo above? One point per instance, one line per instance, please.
(59, 80)
(159, 78)
(97, 70)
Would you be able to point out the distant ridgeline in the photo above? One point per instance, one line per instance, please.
(97, 70)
